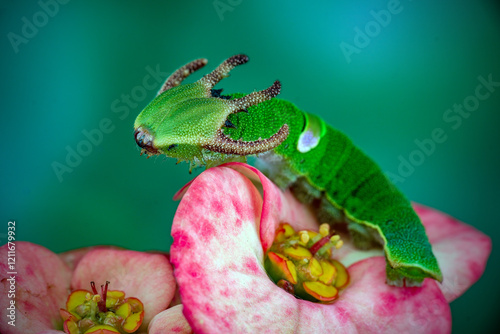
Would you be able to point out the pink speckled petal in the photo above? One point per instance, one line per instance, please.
(142, 275)
(224, 288)
(217, 253)
(461, 250)
(170, 321)
(51, 332)
(41, 288)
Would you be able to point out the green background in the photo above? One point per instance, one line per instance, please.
(72, 73)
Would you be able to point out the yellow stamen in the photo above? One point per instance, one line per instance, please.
(74, 300)
(320, 291)
(83, 313)
(329, 273)
(284, 231)
(301, 263)
(304, 237)
(342, 275)
(124, 310)
(315, 268)
(335, 238)
(102, 329)
(324, 229)
(298, 253)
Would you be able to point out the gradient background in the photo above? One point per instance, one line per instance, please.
(396, 90)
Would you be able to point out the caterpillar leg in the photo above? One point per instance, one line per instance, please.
(398, 277)
(399, 271)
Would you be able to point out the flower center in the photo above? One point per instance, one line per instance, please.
(301, 263)
(101, 313)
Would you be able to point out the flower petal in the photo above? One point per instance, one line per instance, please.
(41, 288)
(169, 321)
(218, 259)
(461, 250)
(216, 249)
(277, 206)
(375, 307)
(145, 276)
(72, 257)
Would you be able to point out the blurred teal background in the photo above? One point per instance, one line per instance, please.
(75, 69)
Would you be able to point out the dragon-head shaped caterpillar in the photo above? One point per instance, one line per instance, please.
(186, 121)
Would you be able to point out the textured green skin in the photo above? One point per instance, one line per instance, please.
(351, 182)
(185, 117)
(335, 177)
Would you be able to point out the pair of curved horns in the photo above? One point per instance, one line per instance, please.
(221, 72)
(209, 80)
(221, 142)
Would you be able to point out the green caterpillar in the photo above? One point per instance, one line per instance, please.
(195, 123)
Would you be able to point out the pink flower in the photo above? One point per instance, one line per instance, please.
(224, 226)
(44, 281)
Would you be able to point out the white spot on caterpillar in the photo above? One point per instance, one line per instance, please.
(314, 129)
(307, 141)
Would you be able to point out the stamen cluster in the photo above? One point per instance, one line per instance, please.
(105, 313)
(301, 263)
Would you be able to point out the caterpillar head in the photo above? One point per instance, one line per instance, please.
(186, 121)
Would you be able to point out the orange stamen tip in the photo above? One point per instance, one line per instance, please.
(114, 297)
(280, 268)
(67, 315)
(342, 275)
(124, 310)
(314, 268)
(134, 320)
(283, 232)
(102, 329)
(329, 273)
(297, 253)
(70, 327)
(320, 291)
(75, 299)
